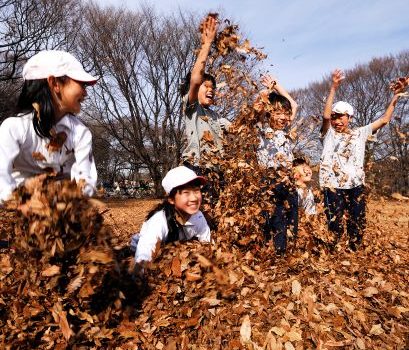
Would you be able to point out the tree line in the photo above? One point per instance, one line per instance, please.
(142, 57)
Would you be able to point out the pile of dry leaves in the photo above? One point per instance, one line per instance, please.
(60, 280)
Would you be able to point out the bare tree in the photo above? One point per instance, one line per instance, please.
(27, 26)
(142, 58)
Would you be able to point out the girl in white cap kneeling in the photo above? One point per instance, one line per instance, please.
(46, 137)
(177, 218)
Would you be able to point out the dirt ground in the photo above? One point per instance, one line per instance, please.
(125, 217)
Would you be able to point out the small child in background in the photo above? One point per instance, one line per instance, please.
(177, 218)
(302, 175)
(275, 152)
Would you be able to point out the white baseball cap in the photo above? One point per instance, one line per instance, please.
(179, 176)
(342, 107)
(55, 63)
(268, 130)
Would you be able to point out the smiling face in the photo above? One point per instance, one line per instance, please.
(68, 95)
(206, 93)
(187, 201)
(340, 122)
(302, 174)
(279, 119)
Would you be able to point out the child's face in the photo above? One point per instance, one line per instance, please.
(187, 201)
(206, 93)
(303, 173)
(69, 95)
(279, 119)
(340, 122)
(269, 135)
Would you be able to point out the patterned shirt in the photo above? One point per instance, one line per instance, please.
(275, 152)
(342, 159)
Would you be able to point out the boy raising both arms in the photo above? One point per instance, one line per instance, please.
(342, 174)
(275, 152)
(204, 128)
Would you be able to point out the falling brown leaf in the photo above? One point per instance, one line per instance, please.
(38, 156)
(51, 271)
(176, 267)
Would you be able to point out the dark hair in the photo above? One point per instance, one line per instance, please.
(173, 225)
(300, 160)
(38, 91)
(185, 85)
(280, 101)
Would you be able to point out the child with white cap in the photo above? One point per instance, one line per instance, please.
(177, 218)
(46, 137)
(342, 174)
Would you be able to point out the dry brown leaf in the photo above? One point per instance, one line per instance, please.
(245, 330)
(51, 271)
(176, 267)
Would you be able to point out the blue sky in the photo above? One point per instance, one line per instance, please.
(306, 39)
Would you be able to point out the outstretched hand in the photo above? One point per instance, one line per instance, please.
(208, 28)
(337, 77)
(268, 81)
(399, 85)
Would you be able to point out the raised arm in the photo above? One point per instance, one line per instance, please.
(337, 77)
(209, 30)
(397, 87)
(272, 84)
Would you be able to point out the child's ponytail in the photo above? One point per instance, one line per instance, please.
(173, 226)
(36, 97)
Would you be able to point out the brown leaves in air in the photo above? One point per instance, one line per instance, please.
(57, 141)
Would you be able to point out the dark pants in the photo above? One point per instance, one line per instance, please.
(284, 216)
(351, 201)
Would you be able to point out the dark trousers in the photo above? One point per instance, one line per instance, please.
(349, 201)
(284, 216)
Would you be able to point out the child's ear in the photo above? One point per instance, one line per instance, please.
(53, 84)
(171, 200)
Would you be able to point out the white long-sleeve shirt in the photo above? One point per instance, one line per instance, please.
(156, 229)
(24, 154)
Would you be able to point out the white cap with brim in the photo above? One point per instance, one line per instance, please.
(56, 63)
(342, 107)
(179, 176)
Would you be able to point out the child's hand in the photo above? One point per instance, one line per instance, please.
(268, 81)
(337, 77)
(208, 28)
(399, 85)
